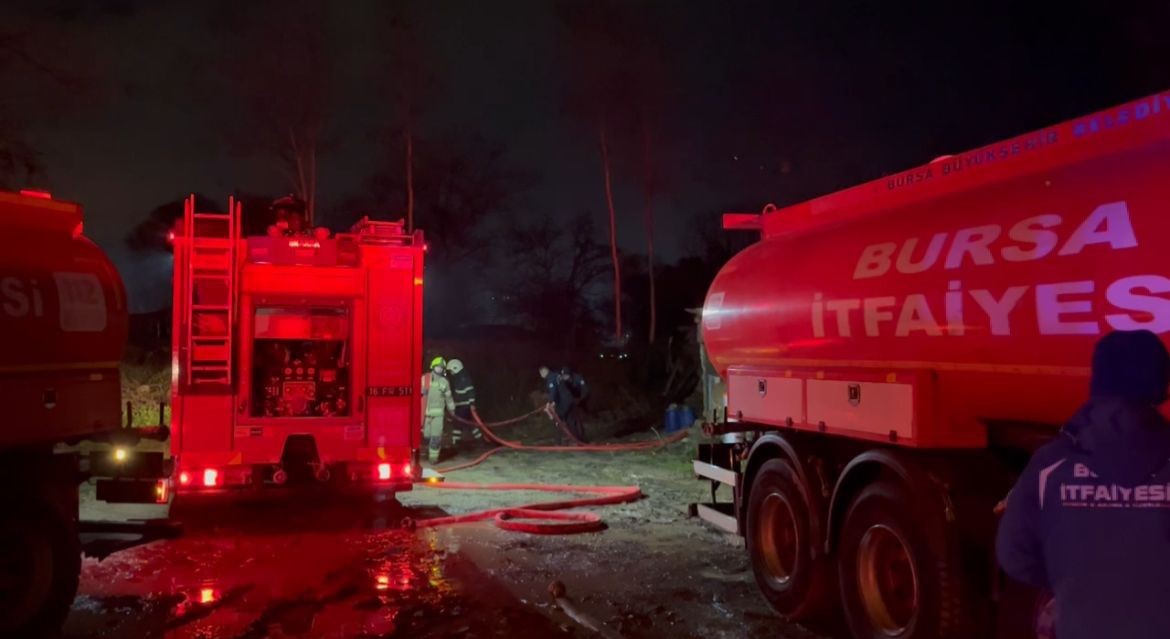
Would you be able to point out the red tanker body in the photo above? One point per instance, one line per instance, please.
(874, 334)
(63, 325)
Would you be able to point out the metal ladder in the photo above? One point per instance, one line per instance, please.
(209, 286)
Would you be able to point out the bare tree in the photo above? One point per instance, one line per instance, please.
(553, 269)
(598, 46)
(457, 183)
(277, 71)
(409, 84)
(44, 77)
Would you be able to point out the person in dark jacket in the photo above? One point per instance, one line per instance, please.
(561, 399)
(1089, 518)
(573, 392)
(463, 390)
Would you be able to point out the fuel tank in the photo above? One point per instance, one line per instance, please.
(63, 325)
(991, 273)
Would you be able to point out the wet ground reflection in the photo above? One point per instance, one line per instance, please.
(294, 569)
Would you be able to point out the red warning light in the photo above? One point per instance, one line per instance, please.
(170, 237)
(37, 193)
(184, 478)
(406, 470)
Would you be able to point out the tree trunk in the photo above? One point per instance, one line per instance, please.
(617, 268)
(409, 179)
(311, 200)
(650, 188)
(301, 183)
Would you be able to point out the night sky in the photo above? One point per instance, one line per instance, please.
(767, 101)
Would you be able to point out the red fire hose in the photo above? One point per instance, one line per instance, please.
(510, 518)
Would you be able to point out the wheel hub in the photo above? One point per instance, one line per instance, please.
(779, 539)
(887, 580)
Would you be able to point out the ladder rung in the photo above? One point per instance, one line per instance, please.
(211, 276)
(210, 307)
(209, 338)
(204, 369)
(210, 216)
(215, 243)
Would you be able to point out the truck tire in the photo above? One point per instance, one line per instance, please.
(40, 560)
(893, 585)
(792, 575)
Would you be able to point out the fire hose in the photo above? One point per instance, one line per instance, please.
(521, 518)
(579, 447)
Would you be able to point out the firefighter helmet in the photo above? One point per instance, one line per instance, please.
(289, 202)
(438, 361)
(454, 366)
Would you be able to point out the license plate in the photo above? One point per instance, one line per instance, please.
(389, 391)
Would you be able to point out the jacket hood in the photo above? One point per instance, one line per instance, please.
(1125, 441)
(1131, 365)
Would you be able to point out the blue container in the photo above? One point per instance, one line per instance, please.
(670, 419)
(678, 418)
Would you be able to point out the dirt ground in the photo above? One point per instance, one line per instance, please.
(313, 566)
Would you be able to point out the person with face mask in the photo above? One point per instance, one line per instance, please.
(437, 403)
(1089, 518)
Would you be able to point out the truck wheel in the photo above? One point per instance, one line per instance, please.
(892, 585)
(794, 578)
(40, 559)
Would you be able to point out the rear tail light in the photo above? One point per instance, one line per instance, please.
(407, 470)
(184, 478)
(161, 491)
(383, 472)
(210, 478)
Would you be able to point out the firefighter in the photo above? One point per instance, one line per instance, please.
(288, 214)
(437, 403)
(561, 399)
(463, 390)
(1087, 518)
(576, 393)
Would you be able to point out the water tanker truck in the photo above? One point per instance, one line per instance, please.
(893, 352)
(63, 326)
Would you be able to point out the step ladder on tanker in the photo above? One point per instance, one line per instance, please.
(208, 292)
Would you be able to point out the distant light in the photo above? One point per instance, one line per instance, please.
(208, 595)
(418, 281)
(383, 472)
(210, 477)
(170, 237)
(432, 480)
(382, 582)
(120, 454)
(37, 193)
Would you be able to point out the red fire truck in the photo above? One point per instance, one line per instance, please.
(295, 357)
(63, 327)
(894, 351)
